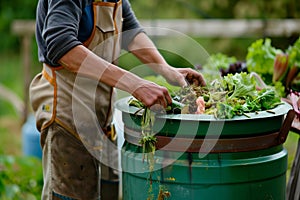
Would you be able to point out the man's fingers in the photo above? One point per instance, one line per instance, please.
(191, 76)
(196, 78)
(151, 94)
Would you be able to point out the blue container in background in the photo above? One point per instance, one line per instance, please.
(31, 138)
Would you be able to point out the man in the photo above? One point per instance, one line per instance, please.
(79, 43)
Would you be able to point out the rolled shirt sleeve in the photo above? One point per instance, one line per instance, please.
(131, 26)
(58, 26)
(59, 31)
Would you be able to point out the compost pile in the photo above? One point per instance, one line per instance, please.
(226, 97)
(232, 95)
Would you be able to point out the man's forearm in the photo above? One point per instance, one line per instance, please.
(82, 61)
(144, 49)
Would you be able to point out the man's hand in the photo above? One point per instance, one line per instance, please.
(183, 76)
(192, 76)
(152, 95)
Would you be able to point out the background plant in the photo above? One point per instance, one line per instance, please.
(20, 178)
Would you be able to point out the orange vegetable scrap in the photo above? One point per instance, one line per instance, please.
(200, 105)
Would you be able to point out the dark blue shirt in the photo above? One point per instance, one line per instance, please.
(86, 24)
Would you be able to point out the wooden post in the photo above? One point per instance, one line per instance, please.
(26, 62)
(25, 29)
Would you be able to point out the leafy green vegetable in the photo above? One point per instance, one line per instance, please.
(294, 54)
(232, 95)
(292, 77)
(225, 111)
(243, 97)
(239, 85)
(214, 64)
(267, 99)
(219, 61)
(260, 58)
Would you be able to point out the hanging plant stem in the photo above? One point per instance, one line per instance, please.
(148, 142)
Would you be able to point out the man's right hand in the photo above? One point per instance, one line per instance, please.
(152, 95)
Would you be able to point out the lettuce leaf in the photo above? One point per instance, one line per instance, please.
(267, 99)
(260, 58)
(294, 54)
(219, 61)
(239, 85)
(242, 96)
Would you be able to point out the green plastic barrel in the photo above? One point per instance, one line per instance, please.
(229, 172)
(231, 176)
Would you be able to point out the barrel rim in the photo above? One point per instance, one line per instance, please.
(280, 110)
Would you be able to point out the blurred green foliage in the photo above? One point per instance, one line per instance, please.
(9, 11)
(20, 178)
(217, 8)
(10, 76)
(201, 9)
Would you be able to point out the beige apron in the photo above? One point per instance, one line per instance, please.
(81, 105)
(52, 92)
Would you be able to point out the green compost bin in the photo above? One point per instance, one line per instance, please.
(246, 161)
